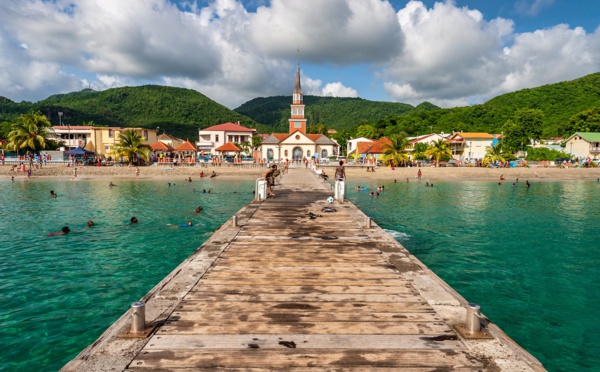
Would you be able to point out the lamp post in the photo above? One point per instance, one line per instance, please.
(60, 114)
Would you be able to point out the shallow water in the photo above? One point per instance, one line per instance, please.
(529, 257)
(58, 294)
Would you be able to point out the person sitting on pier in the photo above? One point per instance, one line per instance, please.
(269, 176)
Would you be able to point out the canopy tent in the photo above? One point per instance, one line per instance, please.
(188, 149)
(186, 146)
(90, 146)
(161, 146)
(79, 151)
(228, 147)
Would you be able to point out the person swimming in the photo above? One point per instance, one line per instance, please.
(53, 194)
(111, 184)
(64, 231)
(199, 209)
(133, 220)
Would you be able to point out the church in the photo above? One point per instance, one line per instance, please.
(297, 145)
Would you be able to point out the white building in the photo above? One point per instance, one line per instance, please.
(353, 143)
(218, 135)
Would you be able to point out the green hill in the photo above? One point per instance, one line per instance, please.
(338, 113)
(179, 111)
(182, 112)
(559, 102)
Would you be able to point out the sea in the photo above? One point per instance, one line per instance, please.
(530, 256)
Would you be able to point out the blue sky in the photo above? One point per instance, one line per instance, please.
(450, 53)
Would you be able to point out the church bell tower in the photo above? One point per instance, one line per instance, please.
(297, 120)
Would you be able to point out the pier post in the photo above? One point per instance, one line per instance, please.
(340, 191)
(138, 317)
(234, 220)
(473, 315)
(368, 222)
(261, 189)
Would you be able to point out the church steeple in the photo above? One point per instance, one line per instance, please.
(297, 121)
(297, 89)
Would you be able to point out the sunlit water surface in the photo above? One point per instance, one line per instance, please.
(58, 294)
(529, 257)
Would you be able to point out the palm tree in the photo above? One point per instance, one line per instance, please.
(494, 153)
(29, 131)
(245, 146)
(395, 151)
(439, 150)
(131, 145)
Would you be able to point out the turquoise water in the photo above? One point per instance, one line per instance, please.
(529, 257)
(58, 294)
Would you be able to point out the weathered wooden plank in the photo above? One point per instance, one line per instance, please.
(310, 369)
(302, 275)
(342, 307)
(283, 316)
(301, 297)
(252, 358)
(301, 341)
(183, 327)
(359, 289)
(300, 268)
(230, 261)
(302, 281)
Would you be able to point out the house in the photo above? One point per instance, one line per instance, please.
(101, 140)
(469, 146)
(169, 140)
(297, 144)
(370, 152)
(216, 136)
(352, 144)
(583, 145)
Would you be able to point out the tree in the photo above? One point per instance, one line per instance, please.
(440, 150)
(367, 131)
(317, 129)
(246, 147)
(419, 151)
(583, 121)
(342, 138)
(29, 131)
(531, 122)
(256, 142)
(131, 146)
(514, 137)
(394, 152)
(494, 153)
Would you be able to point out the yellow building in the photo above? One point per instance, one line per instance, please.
(100, 140)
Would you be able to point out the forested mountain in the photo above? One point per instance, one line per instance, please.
(337, 113)
(566, 107)
(180, 112)
(559, 102)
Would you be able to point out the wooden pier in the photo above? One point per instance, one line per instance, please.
(284, 291)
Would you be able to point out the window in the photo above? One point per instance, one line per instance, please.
(110, 133)
(297, 125)
(323, 154)
(300, 111)
(146, 135)
(216, 138)
(294, 111)
(270, 154)
(308, 154)
(285, 153)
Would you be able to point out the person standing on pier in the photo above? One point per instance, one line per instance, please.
(340, 172)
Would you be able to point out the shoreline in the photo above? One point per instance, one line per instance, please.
(353, 173)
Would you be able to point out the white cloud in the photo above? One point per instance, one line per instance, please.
(446, 54)
(453, 55)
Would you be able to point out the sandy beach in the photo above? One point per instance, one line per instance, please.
(352, 172)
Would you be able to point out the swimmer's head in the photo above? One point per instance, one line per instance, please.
(66, 229)
(189, 223)
(90, 223)
(134, 220)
